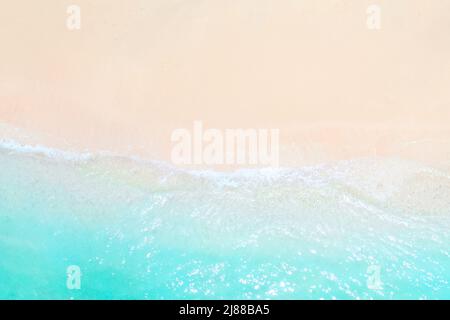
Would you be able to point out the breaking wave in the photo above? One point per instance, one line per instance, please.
(146, 229)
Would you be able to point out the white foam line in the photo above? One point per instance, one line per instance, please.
(57, 154)
(14, 146)
(266, 173)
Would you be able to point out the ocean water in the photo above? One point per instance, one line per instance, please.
(363, 229)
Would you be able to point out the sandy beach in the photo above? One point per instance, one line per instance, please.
(134, 72)
(135, 160)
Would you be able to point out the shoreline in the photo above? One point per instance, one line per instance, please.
(292, 154)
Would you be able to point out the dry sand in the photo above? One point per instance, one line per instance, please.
(139, 69)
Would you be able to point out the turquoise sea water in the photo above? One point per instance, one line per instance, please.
(144, 230)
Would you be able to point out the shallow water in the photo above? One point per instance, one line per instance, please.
(144, 230)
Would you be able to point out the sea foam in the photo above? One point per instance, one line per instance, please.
(146, 229)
